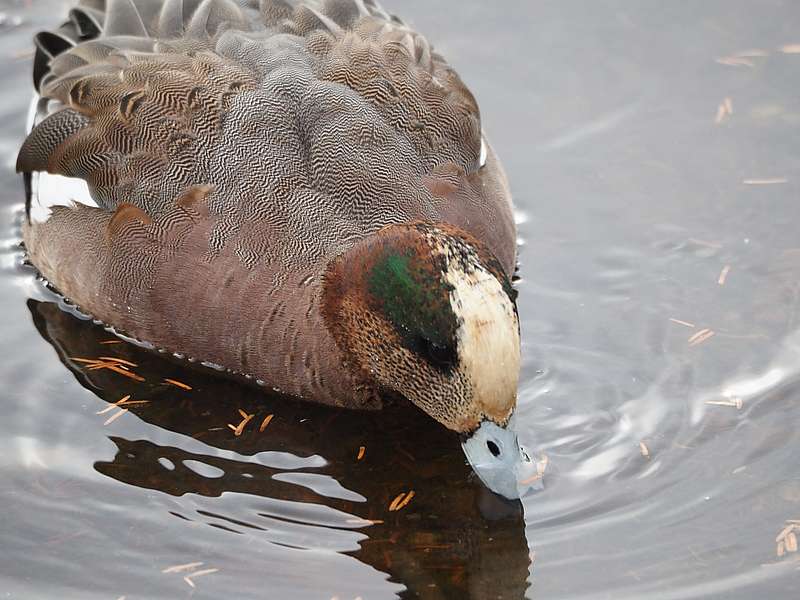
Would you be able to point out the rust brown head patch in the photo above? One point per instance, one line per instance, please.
(397, 276)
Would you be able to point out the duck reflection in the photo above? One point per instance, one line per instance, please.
(395, 477)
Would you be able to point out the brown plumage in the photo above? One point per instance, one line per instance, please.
(293, 191)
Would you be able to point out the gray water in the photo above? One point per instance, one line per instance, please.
(649, 217)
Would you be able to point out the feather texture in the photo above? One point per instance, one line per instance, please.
(308, 125)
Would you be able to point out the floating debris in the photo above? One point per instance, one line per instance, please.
(541, 467)
(791, 542)
(178, 384)
(239, 429)
(115, 416)
(361, 451)
(105, 365)
(180, 568)
(752, 53)
(87, 361)
(736, 61)
(644, 450)
(126, 401)
(791, 49)
(701, 336)
(109, 342)
(396, 501)
(724, 110)
(733, 402)
(723, 276)
(111, 407)
(684, 323)
(264, 423)
(121, 361)
(401, 501)
(765, 181)
(787, 538)
(117, 365)
(365, 522)
(786, 531)
(188, 578)
(126, 373)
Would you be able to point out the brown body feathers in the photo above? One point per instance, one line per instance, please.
(233, 151)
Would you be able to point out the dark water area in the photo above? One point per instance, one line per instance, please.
(654, 152)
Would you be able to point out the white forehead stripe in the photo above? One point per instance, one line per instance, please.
(488, 338)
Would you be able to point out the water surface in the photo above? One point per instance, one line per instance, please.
(653, 152)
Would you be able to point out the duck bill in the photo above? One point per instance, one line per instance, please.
(500, 462)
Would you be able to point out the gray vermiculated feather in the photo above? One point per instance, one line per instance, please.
(124, 18)
(88, 21)
(346, 140)
(51, 132)
(211, 15)
(170, 19)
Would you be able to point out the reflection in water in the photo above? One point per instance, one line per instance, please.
(453, 539)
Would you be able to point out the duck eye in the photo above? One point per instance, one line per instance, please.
(442, 357)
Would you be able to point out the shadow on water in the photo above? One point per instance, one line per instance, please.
(453, 539)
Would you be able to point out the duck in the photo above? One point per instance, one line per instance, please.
(299, 193)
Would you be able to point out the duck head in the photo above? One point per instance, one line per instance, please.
(428, 312)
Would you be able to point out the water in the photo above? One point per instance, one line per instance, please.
(633, 200)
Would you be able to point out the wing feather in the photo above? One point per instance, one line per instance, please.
(335, 106)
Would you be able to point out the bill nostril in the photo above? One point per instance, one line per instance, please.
(493, 448)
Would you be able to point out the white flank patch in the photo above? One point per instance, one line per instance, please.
(488, 338)
(49, 190)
